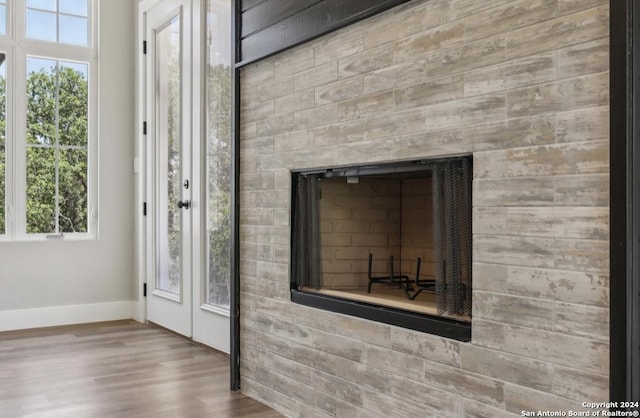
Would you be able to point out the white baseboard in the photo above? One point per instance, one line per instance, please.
(65, 315)
(139, 311)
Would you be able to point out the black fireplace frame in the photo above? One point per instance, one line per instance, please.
(436, 325)
(432, 324)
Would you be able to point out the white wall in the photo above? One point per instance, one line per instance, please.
(57, 282)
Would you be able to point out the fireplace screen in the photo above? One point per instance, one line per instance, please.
(393, 235)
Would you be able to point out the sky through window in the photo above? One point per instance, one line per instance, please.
(63, 21)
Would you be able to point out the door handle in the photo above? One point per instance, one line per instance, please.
(183, 204)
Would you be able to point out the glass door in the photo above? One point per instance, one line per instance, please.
(169, 165)
(188, 167)
(211, 319)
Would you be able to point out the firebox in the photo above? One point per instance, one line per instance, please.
(393, 237)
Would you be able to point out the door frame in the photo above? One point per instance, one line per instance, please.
(139, 163)
(234, 285)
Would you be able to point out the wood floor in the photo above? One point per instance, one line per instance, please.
(116, 369)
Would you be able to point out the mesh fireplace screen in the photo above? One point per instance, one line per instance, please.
(305, 245)
(452, 235)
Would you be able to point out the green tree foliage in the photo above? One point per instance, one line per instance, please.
(219, 175)
(2, 186)
(172, 107)
(57, 104)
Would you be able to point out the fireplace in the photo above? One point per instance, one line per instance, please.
(393, 236)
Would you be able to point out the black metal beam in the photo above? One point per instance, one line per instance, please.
(289, 23)
(249, 4)
(265, 14)
(624, 201)
(618, 195)
(234, 285)
(633, 209)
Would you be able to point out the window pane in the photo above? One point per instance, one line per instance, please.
(218, 154)
(79, 67)
(74, 7)
(69, 25)
(40, 64)
(42, 4)
(73, 190)
(73, 104)
(3, 140)
(41, 190)
(2, 186)
(57, 120)
(73, 30)
(168, 109)
(3, 20)
(41, 25)
(41, 101)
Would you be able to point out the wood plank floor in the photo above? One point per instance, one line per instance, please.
(116, 369)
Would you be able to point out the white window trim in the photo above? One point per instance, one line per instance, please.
(17, 48)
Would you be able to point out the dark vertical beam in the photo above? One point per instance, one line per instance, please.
(234, 290)
(618, 197)
(624, 201)
(633, 209)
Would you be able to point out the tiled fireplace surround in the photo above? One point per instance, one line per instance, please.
(522, 85)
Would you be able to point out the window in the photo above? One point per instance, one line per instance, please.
(3, 17)
(63, 21)
(395, 238)
(3, 140)
(217, 158)
(47, 119)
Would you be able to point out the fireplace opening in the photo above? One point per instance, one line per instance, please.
(392, 237)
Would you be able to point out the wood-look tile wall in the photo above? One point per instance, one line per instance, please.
(523, 85)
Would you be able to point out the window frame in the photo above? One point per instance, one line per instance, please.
(18, 49)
